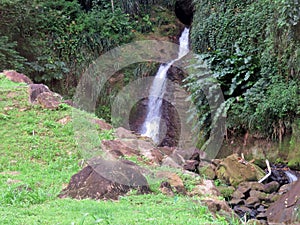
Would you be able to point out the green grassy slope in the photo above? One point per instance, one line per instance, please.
(38, 155)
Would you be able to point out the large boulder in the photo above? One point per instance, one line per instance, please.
(17, 77)
(104, 179)
(234, 170)
(286, 210)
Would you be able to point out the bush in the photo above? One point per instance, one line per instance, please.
(252, 49)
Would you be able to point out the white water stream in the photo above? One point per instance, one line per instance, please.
(151, 125)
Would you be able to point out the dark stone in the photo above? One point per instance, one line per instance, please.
(105, 180)
(271, 187)
(261, 216)
(236, 201)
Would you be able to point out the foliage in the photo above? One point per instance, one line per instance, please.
(9, 57)
(252, 50)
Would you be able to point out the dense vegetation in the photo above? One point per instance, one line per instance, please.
(53, 42)
(252, 49)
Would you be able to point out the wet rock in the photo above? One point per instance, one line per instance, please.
(105, 180)
(271, 187)
(286, 209)
(17, 77)
(234, 170)
(173, 179)
(49, 100)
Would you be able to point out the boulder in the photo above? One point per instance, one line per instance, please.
(17, 77)
(286, 209)
(234, 170)
(49, 100)
(105, 180)
(36, 89)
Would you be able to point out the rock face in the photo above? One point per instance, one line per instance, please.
(106, 180)
(184, 11)
(286, 209)
(234, 170)
(17, 77)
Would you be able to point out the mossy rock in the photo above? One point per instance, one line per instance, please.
(233, 170)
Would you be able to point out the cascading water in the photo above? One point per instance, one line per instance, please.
(151, 125)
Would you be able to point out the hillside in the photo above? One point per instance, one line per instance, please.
(38, 157)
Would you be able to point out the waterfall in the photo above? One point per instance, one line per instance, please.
(151, 125)
(291, 177)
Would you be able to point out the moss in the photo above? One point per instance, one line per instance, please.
(294, 148)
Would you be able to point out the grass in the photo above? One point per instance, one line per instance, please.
(38, 156)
